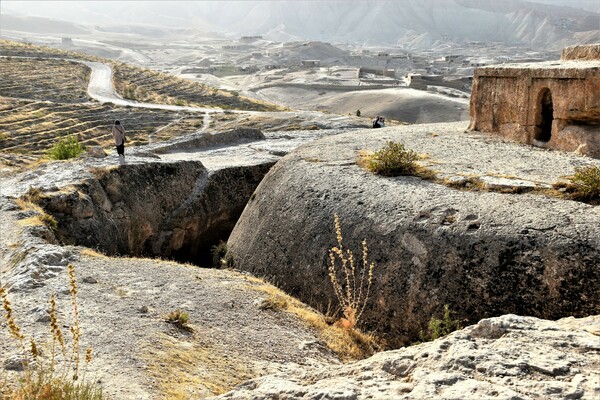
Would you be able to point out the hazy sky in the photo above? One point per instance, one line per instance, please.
(174, 13)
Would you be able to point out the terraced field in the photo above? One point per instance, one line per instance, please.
(29, 128)
(12, 48)
(46, 80)
(42, 100)
(152, 86)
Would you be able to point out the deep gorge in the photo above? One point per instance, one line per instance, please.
(175, 210)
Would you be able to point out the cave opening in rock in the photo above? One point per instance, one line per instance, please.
(545, 116)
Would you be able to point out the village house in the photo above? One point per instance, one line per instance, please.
(552, 104)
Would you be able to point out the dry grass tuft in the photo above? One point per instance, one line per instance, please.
(274, 302)
(178, 318)
(41, 217)
(92, 253)
(190, 367)
(395, 160)
(347, 344)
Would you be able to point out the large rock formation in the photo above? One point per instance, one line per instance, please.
(173, 205)
(509, 357)
(554, 104)
(484, 253)
(170, 209)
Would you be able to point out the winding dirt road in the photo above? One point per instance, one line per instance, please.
(101, 88)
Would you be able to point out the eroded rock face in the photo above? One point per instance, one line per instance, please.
(482, 253)
(176, 209)
(508, 357)
(550, 104)
(586, 52)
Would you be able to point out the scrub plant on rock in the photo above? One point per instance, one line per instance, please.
(351, 283)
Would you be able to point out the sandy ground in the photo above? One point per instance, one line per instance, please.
(403, 104)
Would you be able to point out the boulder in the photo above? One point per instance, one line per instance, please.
(481, 251)
(508, 357)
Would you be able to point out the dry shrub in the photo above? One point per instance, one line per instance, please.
(586, 182)
(351, 283)
(393, 160)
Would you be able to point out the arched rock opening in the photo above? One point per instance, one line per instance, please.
(544, 117)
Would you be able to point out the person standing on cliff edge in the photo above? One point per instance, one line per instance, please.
(119, 134)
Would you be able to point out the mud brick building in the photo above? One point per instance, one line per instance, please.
(553, 104)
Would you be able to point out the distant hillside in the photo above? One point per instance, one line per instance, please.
(411, 23)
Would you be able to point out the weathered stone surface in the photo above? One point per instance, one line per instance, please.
(176, 209)
(483, 253)
(587, 52)
(554, 104)
(96, 152)
(205, 139)
(508, 357)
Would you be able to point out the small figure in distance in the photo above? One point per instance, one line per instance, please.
(379, 122)
(119, 134)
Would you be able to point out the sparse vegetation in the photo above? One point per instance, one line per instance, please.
(348, 344)
(351, 283)
(92, 122)
(34, 195)
(220, 257)
(178, 318)
(586, 184)
(56, 376)
(274, 302)
(40, 218)
(393, 160)
(148, 85)
(55, 80)
(438, 328)
(66, 148)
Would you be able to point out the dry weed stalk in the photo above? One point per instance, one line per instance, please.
(75, 329)
(350, 290)
(40, 380)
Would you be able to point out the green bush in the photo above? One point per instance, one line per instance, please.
(393, 160)
(68, 147)
(586, 183)
(440, 327)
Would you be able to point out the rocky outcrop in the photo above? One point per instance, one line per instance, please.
(169, 209)
(483, 253)
(587, 52)
(554, 104)
(509, 357)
